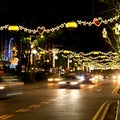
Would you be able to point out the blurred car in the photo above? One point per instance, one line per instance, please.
(70, 81)
(54, 78)
(10, 85)
(88, 78)
(116, 78)
(105, 77)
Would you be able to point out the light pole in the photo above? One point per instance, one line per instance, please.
(54, 51)
(32, 74)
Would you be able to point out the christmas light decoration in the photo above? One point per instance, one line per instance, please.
(41, 30)
(97, 21)
(115, 28)
(104, 33)
(13, 28)
(71, 25)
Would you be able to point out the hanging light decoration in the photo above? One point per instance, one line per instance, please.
(41, 30)
(71, 25)
(97, 21)
(13, 28)
(104, 33)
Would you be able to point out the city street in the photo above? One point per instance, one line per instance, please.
(47, 102)
(59, 60)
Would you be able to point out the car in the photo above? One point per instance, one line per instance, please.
(10, 85)
(70, 81)
(88, 78)
(54, 78)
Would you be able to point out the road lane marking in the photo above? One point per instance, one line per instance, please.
(99, 110)
(4, 117)
(116, 89)
(99, 89)
(35, 106)
(105, 111)
(117, 110)
(22, 110)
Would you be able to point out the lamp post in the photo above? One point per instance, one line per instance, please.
(54, 51)
(32, 73)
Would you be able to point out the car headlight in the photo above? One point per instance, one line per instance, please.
(82, 78)
(96, 76)
(92, 79)
(62, 83)
(50, 79)
(57, 79)
(74, 83)
(119, 77)
(114, 77)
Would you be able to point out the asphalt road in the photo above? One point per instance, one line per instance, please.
(43, 101)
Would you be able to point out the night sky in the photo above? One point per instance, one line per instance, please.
(52, 13)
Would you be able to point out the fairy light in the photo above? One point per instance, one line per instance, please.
(63, 25)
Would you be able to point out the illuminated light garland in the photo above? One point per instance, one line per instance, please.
(110, 57)
(79, 22)
(102, 60)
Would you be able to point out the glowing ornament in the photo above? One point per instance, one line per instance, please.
(97, 21)
(41, 30)
(13, 28)
(104, 33)
(71, 25)
(116, 29)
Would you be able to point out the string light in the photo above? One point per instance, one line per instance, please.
(78, 22)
